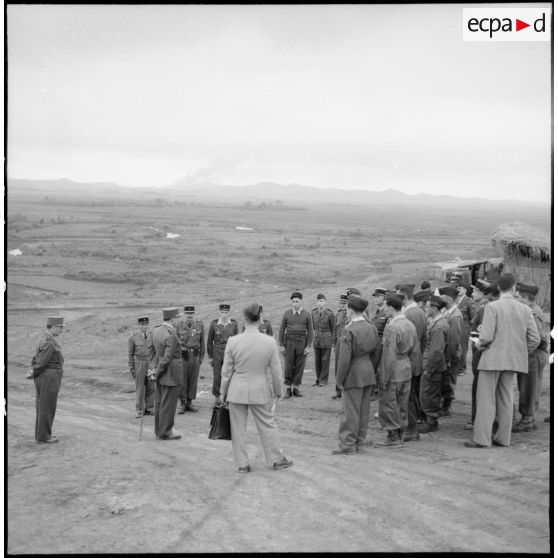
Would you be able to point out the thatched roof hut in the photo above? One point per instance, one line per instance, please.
(526, 252)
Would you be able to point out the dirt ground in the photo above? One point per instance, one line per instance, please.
(101, 490)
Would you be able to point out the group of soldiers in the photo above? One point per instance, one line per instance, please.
(411, 398)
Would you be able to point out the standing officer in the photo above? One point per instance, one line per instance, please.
(47, 376)
(295, 338)
(192, 344)
(141, 357)
(323, 321)
(453, 351)
(168, 374)
(220, 330)
(435, 364)
(340, 322)
(264, 326)
(529, 384)
(467, 309)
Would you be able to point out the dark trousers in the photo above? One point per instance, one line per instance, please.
(166, 398)
(190, 374)
(393, 402)
(431, 393)
(47, 386)
(355, 412)
(321, 363)
(413, 413)
(475, 358)
(144, 393)
(528, 385)
(337, 390)
(465, 332)
(217, 358)
(295, 359)
(449, 380)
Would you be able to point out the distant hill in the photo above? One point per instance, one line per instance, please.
(264, 191)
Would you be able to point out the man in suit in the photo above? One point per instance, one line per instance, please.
(418, 318)
(323, 321)
(219, 332)
(508, 334)
(141, 358)
(435, 364)
(529, 384)
(453, 349)
(399, 355)
(340, 323)
(192, 345)
(295, 339)
(251, 380)
(168, 374)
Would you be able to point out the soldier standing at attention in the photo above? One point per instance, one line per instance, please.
(295, 338)
(530, 384)
(220, 330)
(453, 351)
(340, 322)
(192, 344)
(47, 376)
(418, 318)
(435, 364)
(467, 309)
(323, 321)
(141, 357)
(168, 375)
(263, 327)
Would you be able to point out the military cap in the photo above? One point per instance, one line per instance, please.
(171, 312)
(525, 288)
(422, 296)
(224, 306)
(492, 290)
(321, 296)
(296, 294)
(379, 292)
(481, 285)
(357, 303)
(437, 301)
(143, 320)
(395, 301)
(343, 298)
(353, 290)
(404, 286)
(55, 321)
(252, 311)
(450, 290)
(189, 309)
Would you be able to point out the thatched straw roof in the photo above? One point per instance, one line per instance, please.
(523, 239)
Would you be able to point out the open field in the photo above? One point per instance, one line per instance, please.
(102, 490)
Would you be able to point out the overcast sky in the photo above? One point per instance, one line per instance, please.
(375, 97)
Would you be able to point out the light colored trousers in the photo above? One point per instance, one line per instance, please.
(494, 401)
(353, 421)
(267, 429)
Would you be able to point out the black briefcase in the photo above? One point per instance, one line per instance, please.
(220, 424)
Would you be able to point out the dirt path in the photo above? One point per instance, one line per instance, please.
(100, 490)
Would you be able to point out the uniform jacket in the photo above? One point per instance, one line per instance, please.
(379, 320)
(263, 327)
(418, 318)
(340, 323)
(357, 355)
(400, 348)
(479, 313)
(508, 334)
(169, 357)
(436, 341)
(140, 346)
(324, 328)
(218, 334)
(467, 308)
(191, 336)
(295, 324)
(455, 321)
(47, 353)
(254, 359)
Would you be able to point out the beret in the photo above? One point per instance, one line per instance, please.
(422, 296)
(357, 303)
(296, 294)
(437, 301)
(450, 290)
(321, 296)
(379, 292)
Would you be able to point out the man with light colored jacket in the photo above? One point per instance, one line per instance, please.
(507, 335)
